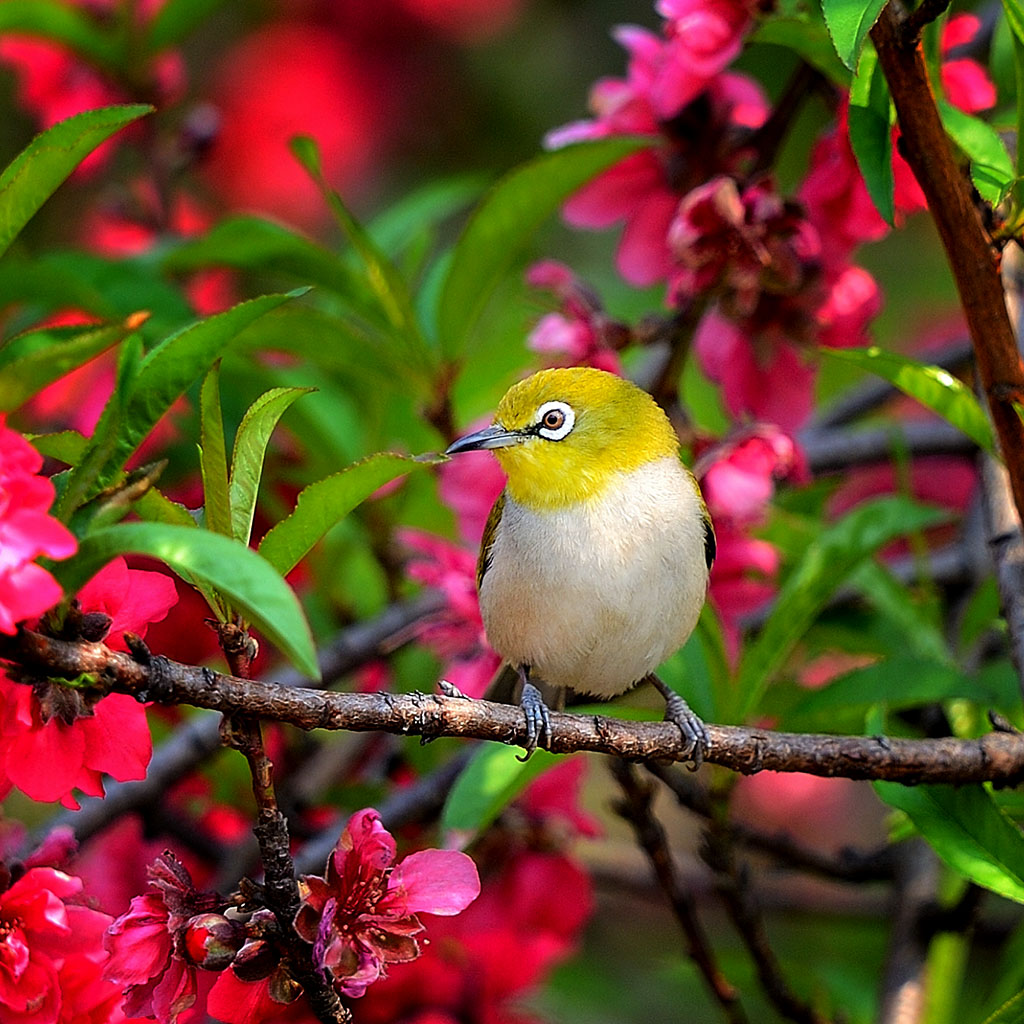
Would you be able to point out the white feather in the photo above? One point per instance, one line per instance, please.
(597, 595)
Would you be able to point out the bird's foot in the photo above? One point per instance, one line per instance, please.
(696, 741)
(538, 719)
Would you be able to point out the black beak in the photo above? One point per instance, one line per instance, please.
(490, 437)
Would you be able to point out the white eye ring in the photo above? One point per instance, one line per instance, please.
(555, 420)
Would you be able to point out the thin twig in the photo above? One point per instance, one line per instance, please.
(997, 756)
(734, 887)
(635, 807)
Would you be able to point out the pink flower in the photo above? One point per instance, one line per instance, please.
(455, 634)
(362, 915)
(762, 375)
(738, 477)
(27, 531)
(581, 333)
(146, 944)
(674, 89)
(54, 739)
(965, 81)
(554, 799)
(50, 951)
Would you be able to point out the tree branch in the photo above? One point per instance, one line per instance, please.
(635, 807)
(996, 757)
(969, 250)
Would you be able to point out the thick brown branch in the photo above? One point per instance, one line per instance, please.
(972, 257)
(996, 757)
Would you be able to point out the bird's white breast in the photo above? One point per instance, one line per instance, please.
(597, 595)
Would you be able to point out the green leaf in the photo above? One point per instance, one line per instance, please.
(213, 456)
(1011, 1012)
(825, 565)
(502, 224)
(175, 20)
(808, 37)
(992, 170)
(871, 132)
(386, 283)
(493, 777)
(898, 682)
(36, 172)
(33, 360)
(160, 379)
(933, 387)
(63, 23)
(245, 579)
(249, 452)
(65, 446)
(968, 830)
(1014, 11)
(326, 502)
(849, 22)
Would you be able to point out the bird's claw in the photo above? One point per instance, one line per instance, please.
(695, 735)
(538, 719)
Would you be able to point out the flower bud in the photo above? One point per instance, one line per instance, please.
(211, 941)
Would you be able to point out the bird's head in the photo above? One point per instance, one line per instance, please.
(563, 435)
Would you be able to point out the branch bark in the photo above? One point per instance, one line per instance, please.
(997, 756)
(969, 249)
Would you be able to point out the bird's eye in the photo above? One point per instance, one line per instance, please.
(555, 420)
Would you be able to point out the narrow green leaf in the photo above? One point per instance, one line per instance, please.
(175, 20)
(503, 223)
(160, 379)
(825, 565)
(1011, 1012)
(494, 777)
(968, 830)
(1014, 11)
(849, 22)
(63, 23)
(871, 132)
(992, 170)
(387, 284)
(249, 452)
(246, 580)
(933, 387)
(326, 502)
(36, 172)
(213, 456)
(33, 360)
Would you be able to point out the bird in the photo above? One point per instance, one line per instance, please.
(596, 556)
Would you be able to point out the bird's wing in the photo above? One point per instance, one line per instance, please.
(483, 562)
(710, 545)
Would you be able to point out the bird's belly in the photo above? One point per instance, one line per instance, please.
(596, 596)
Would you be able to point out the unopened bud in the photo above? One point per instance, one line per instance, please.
(211, 941)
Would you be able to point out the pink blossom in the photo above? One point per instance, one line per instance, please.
(675, 89)
(762, 375)
(50, 950)
(554, 799)
(965, 81)
(580, 333)
(362, 915)
(54, 739)
(27, 531)
(146, 944)
(738, 477)
(456, 634)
